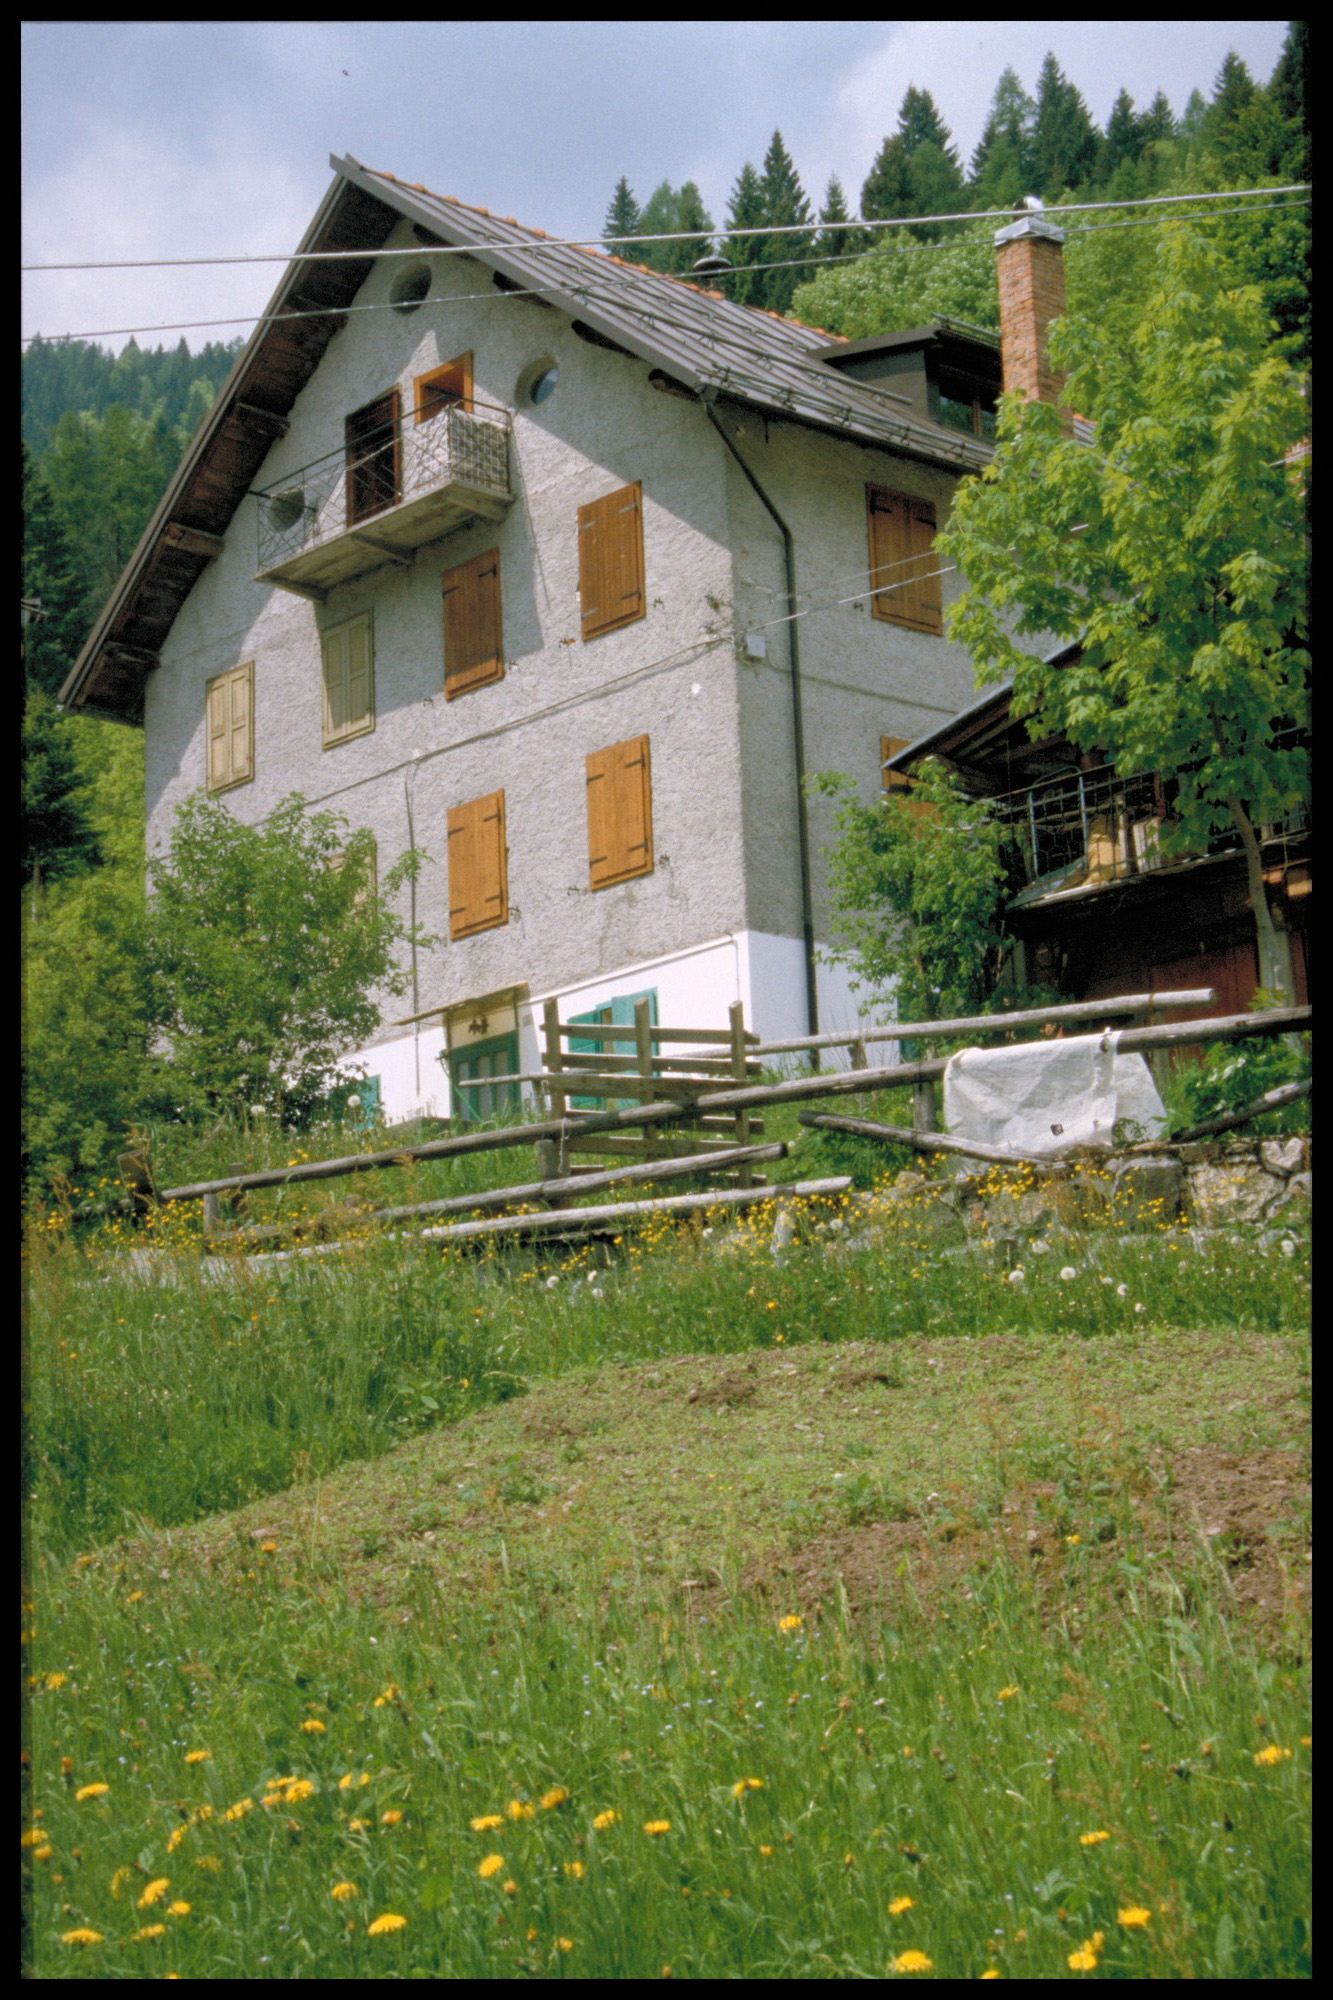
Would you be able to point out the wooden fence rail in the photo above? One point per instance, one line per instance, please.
(729, 1104)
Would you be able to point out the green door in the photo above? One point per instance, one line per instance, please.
(618, 1013)
(475, 1098)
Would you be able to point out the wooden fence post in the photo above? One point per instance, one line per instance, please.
(740, 1070)
(925, 1111)
(555, 1062)
(643, 1049)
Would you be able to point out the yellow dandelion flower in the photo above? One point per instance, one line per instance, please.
(486, 1821)
(298, 1789)
(240, 1809)
(208, 1861)
(1134, 1918)
(1093, 1839)
(576, 1869)
(119, 1879)
(149, 1931)
(392, 1817)
(135, 1597)
(743, 1785)
(492, 1865)
(175, 1837)
(178, 1909)
(564, 1944)
(92, 1792)
(45, 1853)
(767, 1853)
(382, 1926)
(510, 1887)
(391, 1693)
(312, 1726)
(1084, 1959)
(197, 1756)
(899, 1904)
(155, 1891)
(54, 1681)
(343, 1892)
(1007, 1693)
(268, 1548)
(33, 1837)
(991, 1972)
(913, 1961)
(1272, 1753)
(791, 1623)
(521, 1809)
(81, 1936)
(605, 1819)
(357, 1825)
(656, 1826)
(556, 1797)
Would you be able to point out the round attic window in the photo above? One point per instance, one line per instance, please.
(410, 288)
(539, 380)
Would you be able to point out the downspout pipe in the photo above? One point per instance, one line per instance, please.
(708, 398)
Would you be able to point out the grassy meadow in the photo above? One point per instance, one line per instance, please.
(897, 1601)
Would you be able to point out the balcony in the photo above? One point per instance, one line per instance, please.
(1086, 828)
(383, 496)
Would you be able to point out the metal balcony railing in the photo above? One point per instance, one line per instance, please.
(1088, 827)
(456, 456)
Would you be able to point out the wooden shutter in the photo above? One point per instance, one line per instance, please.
(230, 709)
(446, 388)
(620, 813)
(478, 866)
(903, 560)
(611, 591)
(473, 631)
(349, 680)
(893, 781)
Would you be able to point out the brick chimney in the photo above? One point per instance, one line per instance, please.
(1030, 256)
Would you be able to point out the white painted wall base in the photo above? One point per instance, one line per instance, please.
(695, 989)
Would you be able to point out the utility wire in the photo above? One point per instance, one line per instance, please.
(668, 236)
(578, 291)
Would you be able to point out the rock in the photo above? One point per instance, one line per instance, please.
(1232, 1191)
(1283, 1156)
(1148, 1189)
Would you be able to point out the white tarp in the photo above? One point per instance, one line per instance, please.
(1044, 1097)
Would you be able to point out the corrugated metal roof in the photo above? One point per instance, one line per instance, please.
(694, 334)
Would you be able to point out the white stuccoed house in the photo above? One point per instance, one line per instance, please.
(569, 573)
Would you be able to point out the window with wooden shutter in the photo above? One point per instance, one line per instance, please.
(374, 457)
(893, 781)
(446, 388)
(367, 895)
(903, 563)
(349, 679)
(478, 866)
(620, 813)
(473, 634)
(230, 710)
(611, 592)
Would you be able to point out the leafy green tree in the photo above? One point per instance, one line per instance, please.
(915, 883)
(1173, 550)
(88, 1072)
(899, 285)
(268, 945)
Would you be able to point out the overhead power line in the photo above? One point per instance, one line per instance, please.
(543, 242)
(539, 291)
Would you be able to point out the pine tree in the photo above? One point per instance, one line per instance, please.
(837, 236)
(1124, 139)
(51, 578)
(1232, 91)
(1157, 123)
(623, 220)
(1064, 137)
(785, 206)
(58, 835)
(745, 211)
(1003, 165)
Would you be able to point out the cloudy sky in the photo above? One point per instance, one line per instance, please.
(155, 140)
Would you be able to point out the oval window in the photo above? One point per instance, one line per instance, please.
(538, 381)
(410, 288)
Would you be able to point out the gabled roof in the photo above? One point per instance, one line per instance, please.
(694, 336)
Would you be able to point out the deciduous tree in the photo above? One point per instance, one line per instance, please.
(1172, 549)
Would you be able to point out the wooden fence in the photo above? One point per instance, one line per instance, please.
(682, 1101)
